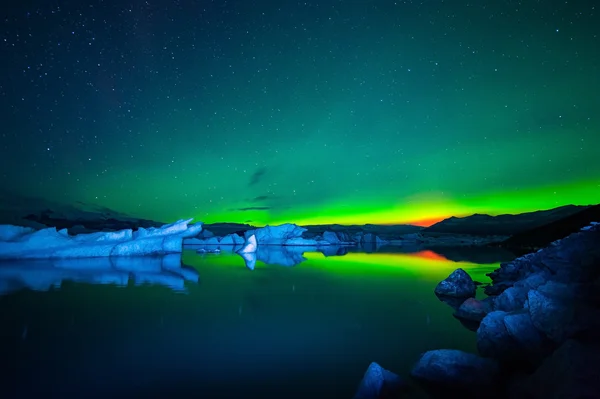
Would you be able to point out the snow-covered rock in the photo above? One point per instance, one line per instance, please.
(23, 243)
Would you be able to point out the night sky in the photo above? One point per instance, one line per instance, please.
(306, 112)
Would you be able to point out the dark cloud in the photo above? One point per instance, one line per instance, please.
(254, 208)
(257, 176)
(260, 198)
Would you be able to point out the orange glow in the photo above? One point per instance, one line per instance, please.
(428, 254)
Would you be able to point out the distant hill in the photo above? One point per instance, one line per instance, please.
(35, 212)
(542, 236)
(502, 225)
(382, 230)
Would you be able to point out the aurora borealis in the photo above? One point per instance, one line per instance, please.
(304, 112)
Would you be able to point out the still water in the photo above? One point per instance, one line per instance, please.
(225, 331)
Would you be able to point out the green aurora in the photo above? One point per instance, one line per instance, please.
(306, 113)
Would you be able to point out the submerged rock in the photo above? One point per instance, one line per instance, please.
(379, 383)
(458, 285)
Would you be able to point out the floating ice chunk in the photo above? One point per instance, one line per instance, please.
(250, 245)
(275, 235)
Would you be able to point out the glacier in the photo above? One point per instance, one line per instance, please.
(18, 242)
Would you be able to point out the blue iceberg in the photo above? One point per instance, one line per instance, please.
(26, 243)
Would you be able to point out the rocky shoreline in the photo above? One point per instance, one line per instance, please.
(538, 331)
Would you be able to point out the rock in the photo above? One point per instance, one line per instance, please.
(451, 301)
(497, 288)
(454, 370)
(493, 339)
(561, 290)
(533, 281)
(473, 310)
(571, 372)
(250, 246)
(560, 318)
(532, 344)
(459, 285)
(550, 315)
(511, 299)
(379, 383)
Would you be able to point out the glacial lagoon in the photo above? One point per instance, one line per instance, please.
(304, 325)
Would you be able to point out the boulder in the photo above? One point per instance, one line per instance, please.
(458, 285)
(511, 299)
(454, 371)
(378, 383)
(473, 310)
(493, 339)
(561, 318)
(531, 343)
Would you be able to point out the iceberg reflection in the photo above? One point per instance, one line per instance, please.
(287, 256)
(43, 274)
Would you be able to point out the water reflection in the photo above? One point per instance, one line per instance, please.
(276, 331)
(421, 261)
(42, 275)
(168, 271)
